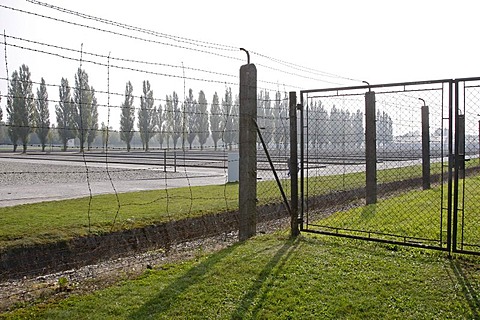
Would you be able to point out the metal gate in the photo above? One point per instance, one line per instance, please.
(466, 198)
(396, 163)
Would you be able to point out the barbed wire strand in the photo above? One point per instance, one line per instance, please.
(6, 62)
(169, 44)
(135, 61)
(209, 45)
(120, 67)
(134, 28)
(120, 34)
(183, 142)
(98, 55)
(149, 63)
(304, 69)
(82, 140)
(106, 146)
(161, 100)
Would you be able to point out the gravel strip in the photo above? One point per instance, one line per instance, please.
(28, 173)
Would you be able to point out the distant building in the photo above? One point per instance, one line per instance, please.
(71, 143)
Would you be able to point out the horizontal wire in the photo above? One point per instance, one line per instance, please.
(121, 67)
(224, 47)
(182, 47)
(200, 43)
(121, 59)
(117, 33)
(130, 61)
(259, 100)
(306, 69)
(99, 129)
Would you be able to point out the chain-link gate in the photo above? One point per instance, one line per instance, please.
(466, 200)
(385, 163)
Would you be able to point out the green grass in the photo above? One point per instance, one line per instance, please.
(273, 277)
(59, 220)
(415, 214)
(323, 184)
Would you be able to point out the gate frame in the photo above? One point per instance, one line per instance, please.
(459, 164)
(453, 164)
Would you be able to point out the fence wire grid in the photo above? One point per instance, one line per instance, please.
(414, 166)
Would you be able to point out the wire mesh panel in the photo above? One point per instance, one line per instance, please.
(273, 156)
(411, 172)
(467, 196)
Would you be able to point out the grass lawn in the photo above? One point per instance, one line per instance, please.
(273, 277)
(415, 214)
(59, 220)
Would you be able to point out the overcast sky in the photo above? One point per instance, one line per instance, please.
(350, 40)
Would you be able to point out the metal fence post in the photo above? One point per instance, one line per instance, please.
(451, 165)
(293, 165)
(370, 148)
(425, 147)
(248, 152)
(164, 160)
(457, 162)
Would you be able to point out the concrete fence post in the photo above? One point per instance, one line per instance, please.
(293, 165)
(248, 152)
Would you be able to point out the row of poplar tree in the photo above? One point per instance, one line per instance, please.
(77, 115)
(173, 122)
(341, 128)
(28, 113)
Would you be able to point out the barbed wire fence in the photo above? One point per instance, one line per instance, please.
(104, 225)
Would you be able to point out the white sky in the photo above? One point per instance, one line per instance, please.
(376, 41)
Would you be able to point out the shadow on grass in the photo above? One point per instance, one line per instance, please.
(277, 261)
(165, 299)
(467, 288)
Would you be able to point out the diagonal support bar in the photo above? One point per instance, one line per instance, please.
(279, 184)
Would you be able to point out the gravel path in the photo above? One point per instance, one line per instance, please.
(57, 180)
(20, 173)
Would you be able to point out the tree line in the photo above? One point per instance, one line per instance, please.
(77, 115)
(342, 128)
(172, 123)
